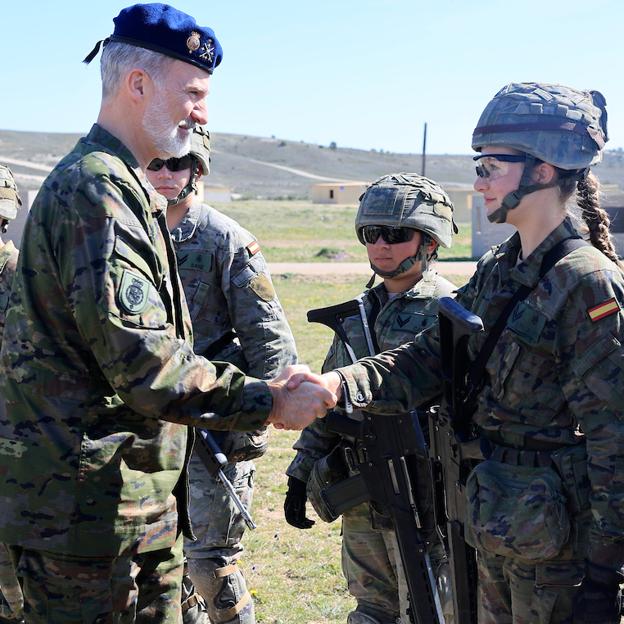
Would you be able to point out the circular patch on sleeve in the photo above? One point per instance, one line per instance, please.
(133, 292)
(262, 286)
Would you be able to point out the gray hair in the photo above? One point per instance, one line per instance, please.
(120, 58)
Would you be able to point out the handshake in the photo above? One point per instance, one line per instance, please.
(300, 396)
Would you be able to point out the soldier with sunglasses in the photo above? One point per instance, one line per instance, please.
(236, 318)
(402, 220)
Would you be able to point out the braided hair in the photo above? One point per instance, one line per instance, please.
(595, 217)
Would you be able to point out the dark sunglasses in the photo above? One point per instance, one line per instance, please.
(391, 235)
(173, 164)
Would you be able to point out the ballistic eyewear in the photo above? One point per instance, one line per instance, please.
(391, 235)
(173, 164)
(494, 166)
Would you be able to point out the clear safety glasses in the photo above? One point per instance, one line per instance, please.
(494, 166)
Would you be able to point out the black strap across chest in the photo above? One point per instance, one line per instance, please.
(476, 371)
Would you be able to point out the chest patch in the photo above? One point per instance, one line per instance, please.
(195, 260)
(133, 292)
(412, 323)
(604, 309)
(526, 322)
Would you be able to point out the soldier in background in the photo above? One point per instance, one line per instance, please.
(402, 219)
(236, 318)
(102, 386)
(11, 600)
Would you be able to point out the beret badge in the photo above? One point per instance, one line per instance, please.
(193, 42)
(208, 50)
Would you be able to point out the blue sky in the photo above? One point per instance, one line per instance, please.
(362, 73)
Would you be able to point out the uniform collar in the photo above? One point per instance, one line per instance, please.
(527, 270)
(425, 288)
(187, 226)
(101, 137)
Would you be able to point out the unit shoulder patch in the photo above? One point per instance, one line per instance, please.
(133, 292)
(604, 309)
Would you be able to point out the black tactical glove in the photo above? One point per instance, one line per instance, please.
(295, 504)
(599, 599)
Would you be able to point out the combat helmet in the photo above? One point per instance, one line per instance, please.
(550, 123)
(10, 200)
(412, 201)
(200, 165)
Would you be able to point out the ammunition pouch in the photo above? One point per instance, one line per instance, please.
(333, 487)
(517, 510)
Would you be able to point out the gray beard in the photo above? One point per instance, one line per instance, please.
(158, 128)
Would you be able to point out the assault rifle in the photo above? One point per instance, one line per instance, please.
(455, 448)
(215, 460)
(394, 449)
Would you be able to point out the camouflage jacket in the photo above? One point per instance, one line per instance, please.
(228, 287)
(8, 263)
(556, 375)
(100, 377)
(397, 322)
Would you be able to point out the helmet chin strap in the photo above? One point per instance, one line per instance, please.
(511, 200)
(191, 187)
(405, 265)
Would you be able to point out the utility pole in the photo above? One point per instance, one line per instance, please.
(424, 151)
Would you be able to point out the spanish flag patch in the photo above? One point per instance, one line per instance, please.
(253, 248)
(606, 308)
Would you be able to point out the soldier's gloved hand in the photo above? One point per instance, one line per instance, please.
(295, 504)
(599, 599)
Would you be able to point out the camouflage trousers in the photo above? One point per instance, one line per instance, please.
(219, 527)
(512, 592)
(371, 564)
(10, 587)
(131, 588)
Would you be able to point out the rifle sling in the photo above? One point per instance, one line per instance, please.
(476, 372)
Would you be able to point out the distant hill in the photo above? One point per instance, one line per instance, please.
(257, 167)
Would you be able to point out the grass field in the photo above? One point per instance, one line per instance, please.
(294, 575)
(300, 231)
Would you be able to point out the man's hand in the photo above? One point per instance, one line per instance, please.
(295, 504)
(331, 380)
(297, 407)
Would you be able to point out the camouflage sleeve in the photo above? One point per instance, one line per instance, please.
(592, 336)
(406, 377)
(119, 295)
(255, 311)
(315, 441)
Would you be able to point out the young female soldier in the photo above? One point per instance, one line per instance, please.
(546, 507)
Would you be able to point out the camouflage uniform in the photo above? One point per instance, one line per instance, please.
(371, 561)
(554, 381)
(101, 382)
(9, 203)
(228, 287)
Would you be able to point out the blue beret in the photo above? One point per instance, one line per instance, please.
(161, 28)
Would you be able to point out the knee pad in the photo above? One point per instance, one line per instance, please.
(224, 590)
(193, 605)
